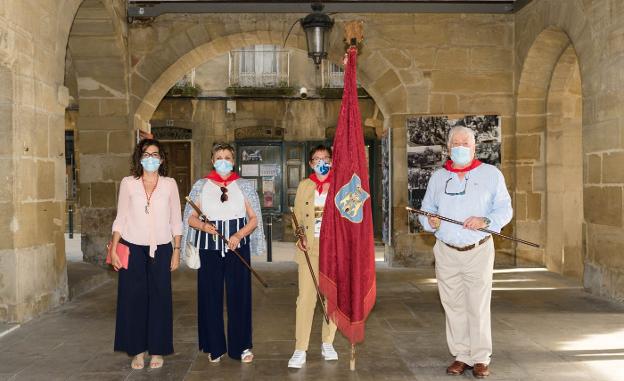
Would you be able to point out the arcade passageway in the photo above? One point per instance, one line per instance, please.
(545, 327)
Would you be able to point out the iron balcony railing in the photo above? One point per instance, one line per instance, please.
(259, 68)
(333, 75)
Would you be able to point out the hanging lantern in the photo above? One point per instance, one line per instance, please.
(316, 26)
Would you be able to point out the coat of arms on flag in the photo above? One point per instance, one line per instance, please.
(350, 199)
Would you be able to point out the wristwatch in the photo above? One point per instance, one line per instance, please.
(487, 221)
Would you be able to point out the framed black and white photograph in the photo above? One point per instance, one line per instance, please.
(385, 185)
(427, 130)
(489, 152)
(429, 156)
(486, 127)
(427, 150)
(415, 197)
(418, 178)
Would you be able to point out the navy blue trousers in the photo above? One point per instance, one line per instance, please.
(214, 272)
(144, 303)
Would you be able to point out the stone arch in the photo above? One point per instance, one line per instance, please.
(32, 63)
(548, 129)
(564, 169)
(154, 75)
(99, 56)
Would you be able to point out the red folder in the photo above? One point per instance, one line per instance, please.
(123, 252)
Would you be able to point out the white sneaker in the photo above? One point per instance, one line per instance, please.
(328, 352)
(297, 360)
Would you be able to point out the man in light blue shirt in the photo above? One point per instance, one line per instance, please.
(475, 193)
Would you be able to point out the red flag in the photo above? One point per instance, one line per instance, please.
(347, 252)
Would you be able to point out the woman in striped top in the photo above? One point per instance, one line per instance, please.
(224, 199)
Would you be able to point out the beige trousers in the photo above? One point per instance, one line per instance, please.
(465, 286)
(306, 301)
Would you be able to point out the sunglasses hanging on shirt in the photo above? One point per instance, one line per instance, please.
(224, 196)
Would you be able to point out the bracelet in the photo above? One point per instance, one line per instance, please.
(176, 248)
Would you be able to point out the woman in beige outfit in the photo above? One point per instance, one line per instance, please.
(309, 204)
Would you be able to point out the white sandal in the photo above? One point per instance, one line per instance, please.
(156, 362)
(247, 356)
(138, 362)
(214, 360)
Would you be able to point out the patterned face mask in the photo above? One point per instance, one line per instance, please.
(322, 167)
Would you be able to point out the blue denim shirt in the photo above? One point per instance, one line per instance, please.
(482, 193)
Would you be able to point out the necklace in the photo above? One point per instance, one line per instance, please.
(149, 196)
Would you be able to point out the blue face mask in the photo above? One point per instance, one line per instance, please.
(223, 167)
(322, 168)
(150, 164)
(461, 155)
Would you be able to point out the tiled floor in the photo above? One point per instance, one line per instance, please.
(544, 327)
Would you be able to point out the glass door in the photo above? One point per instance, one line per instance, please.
(262, 163)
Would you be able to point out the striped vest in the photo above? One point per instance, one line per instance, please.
(205, 241)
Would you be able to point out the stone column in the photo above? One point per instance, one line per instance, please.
(32, 195)
(105, 140)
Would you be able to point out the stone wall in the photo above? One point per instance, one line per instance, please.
(302, 120)
(32, 203)
(455, 65)
(449, 64)
(97, 46)
(411, 64)
(544, 30)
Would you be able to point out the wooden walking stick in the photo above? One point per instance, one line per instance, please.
(202, 217)
(300, 233)
(428, 214)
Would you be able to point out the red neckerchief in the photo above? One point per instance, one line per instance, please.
(449, 166)
(319, 183)
(214, 175)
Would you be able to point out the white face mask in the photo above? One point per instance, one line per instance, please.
(150, 164)
(461, 155)
(223, 167)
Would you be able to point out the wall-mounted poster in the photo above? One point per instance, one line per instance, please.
(427, 150)
(249, 170)
(385, 185)
(267, 170)
(251, 155)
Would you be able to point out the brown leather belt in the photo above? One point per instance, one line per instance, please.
(469, 247)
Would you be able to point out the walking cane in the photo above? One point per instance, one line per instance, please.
(300, 233)
(428, 214)
(203, 218)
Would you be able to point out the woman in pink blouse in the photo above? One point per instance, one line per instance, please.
(148, 220)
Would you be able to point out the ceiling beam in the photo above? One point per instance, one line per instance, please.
(154, 8)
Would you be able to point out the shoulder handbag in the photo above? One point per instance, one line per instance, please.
(191, 257)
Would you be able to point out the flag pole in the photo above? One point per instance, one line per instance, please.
(354, 35)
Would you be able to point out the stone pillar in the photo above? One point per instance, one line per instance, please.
(408, 249)
(105, 140)
(33, 275)
(105, 146)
